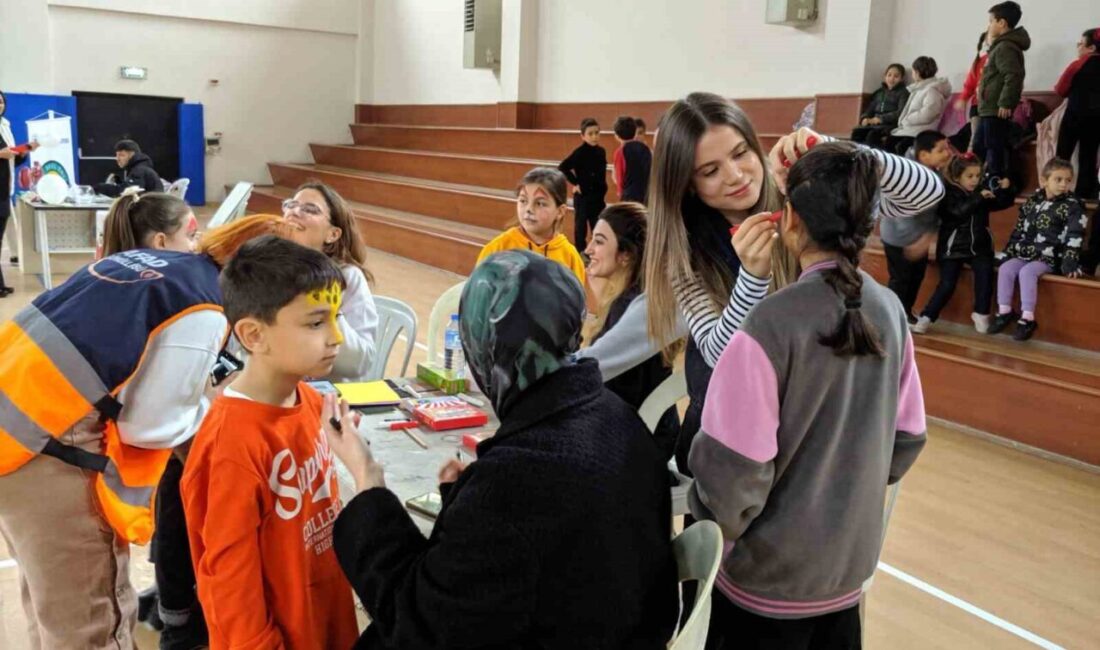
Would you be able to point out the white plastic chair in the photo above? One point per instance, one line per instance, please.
(178, 187)
(165, 185)
(233, 206)
(394, 318)
(698, 552)
(446, 305)
(672, 390)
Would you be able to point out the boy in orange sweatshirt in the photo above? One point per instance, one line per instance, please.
(259, 488)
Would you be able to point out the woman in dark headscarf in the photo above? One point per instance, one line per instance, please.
(558, 535)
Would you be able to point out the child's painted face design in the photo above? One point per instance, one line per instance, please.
(330, 297)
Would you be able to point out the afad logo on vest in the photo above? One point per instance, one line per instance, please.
(128, 267)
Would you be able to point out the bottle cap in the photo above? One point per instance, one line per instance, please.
(454, 317)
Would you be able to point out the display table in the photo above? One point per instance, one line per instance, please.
(72, 229)
(410, 469)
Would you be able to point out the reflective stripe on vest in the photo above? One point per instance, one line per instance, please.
(62, 353)
(38, 360)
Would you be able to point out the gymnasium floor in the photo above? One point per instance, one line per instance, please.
(988, 547)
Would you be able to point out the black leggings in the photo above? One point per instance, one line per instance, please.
(586, 212)
(906, 275)
(950, 270)
(172, 551)
(733, 628)
(5, 214)
(1083, 132)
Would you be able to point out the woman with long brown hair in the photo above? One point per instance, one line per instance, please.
(710, 173)
(326, 223)
(615, 256)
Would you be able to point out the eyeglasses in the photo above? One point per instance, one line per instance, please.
(308, 209)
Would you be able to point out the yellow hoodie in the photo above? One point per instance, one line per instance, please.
(558, 249)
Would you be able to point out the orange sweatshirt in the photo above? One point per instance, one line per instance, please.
(558, 249)
(261, 497)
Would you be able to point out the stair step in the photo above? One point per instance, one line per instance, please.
(482, 207)
(472, 170)
(1040, 395)
(1066, 313)
(438, 242)
(544, 145)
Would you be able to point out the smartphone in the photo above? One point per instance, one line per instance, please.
(323, 387)
(226, 365)
(427, 505)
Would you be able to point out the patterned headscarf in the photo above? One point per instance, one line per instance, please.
(521, 321)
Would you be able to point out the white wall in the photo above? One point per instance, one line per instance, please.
(947, 30)
(24, 43)
(663, 49)
(339, 16)
(418, 56)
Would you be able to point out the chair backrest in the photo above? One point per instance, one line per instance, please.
(665, 396)
(233, 206)
(446, 305)
(165, 185)
(394, 318)
(698, 552)
(662, 398)
(178, 187)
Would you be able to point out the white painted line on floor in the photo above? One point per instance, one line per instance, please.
(8, 564)
(967, 607)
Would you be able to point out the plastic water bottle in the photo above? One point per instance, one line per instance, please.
(453, 358)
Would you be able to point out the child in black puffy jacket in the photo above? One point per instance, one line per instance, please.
(965, 239)
(1048, 238)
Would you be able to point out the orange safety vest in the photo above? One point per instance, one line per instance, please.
(56, 368)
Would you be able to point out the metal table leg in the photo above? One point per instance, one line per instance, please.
(44, 247)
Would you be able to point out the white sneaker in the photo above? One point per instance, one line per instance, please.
(922, 325)
(981, 322)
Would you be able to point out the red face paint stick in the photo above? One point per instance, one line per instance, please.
(773, 217)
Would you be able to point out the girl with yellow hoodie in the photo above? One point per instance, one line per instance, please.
(540, 211)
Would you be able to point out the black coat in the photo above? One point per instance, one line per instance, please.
(558, 536)
(139, 171)
(964, 222)
(886, 104)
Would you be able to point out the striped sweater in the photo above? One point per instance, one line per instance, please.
(907, 189)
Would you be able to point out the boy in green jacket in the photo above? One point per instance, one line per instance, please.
(1001, 86)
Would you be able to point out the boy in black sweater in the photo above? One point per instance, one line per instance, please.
(632, 162)
(586, 168)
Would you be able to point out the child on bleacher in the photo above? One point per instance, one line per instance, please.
(923, 109)
(1047, 239)
(540, 211)
(259, 487)
(881, 114)
(813, 408)
(907, 241)
(965, 239)
(639, 129)
(586, 169)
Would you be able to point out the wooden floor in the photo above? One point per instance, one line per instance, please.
(1010, 534)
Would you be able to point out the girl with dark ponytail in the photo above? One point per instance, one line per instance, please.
(813, 408)
(839, 219)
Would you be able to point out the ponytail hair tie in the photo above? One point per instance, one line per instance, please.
(132, 190)
(852, 303)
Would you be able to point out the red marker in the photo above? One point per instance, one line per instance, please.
(774, 218)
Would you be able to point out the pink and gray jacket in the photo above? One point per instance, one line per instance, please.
(798, 445)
